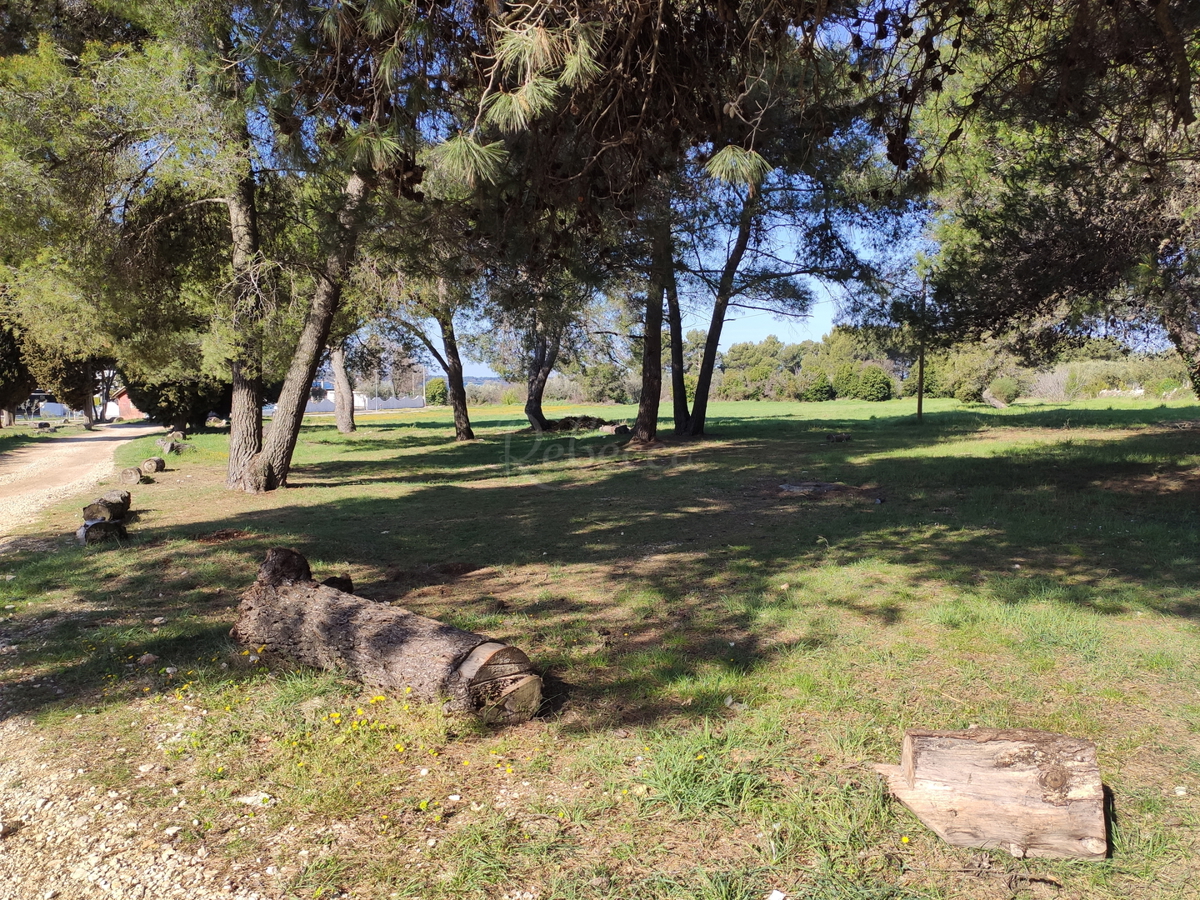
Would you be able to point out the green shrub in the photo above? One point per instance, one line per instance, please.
(604, 383)
(874, 384)
(1006, 389)
(1162, 387)
(818, 390)
(179, 399)
(510, 397)
(436, 393)
(845, 381)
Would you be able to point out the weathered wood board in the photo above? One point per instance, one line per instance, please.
(1032, 793)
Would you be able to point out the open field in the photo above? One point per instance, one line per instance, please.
(724, 660)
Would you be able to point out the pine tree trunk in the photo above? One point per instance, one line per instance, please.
(679, 399)
(268, 470)
(343, 392)
(245, 416)
(545, 355)
(454, 380)
(646, 426)
(724, 295)
(1181, 318)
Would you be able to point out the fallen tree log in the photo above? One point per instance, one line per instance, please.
(383, 646)
(153, 465)
(98, 532)
(1032, 793)
(113, 505)
(131, 475)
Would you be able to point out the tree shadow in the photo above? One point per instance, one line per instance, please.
(625, 575)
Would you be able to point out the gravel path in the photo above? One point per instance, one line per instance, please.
(62, 838)
(36, 475)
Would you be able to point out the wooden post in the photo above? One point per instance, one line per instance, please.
(1031, 793)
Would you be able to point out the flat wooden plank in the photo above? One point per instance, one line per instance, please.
(1032, 793)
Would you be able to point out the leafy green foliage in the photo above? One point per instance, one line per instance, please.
(873, 384)
(464, 158)
(179, 398)
(16, 381)
(436, 392)
(737, 165)
(1006, 389)
(818, 389)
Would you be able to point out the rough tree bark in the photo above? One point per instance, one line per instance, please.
(268, 469)
(541, 364)
(645, 428)
(245, 417)
(383, 646)
(720, 307)
(456, 388)
(679, 400)
(343, 392)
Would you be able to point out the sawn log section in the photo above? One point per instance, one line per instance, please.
(1032, 793)
(387, 647)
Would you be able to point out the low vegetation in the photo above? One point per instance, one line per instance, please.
(724, 660)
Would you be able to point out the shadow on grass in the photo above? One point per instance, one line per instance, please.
(626, 574)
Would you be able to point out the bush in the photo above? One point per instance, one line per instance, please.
(818, 390)
(511, 397)
(874, 384)
(180, 402)
(1006, 389)
(436, 393)
(604, 383)
(845, 381)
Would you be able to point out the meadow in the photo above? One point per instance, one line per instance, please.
(724, 660)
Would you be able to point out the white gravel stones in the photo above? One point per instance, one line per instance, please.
(77, 841)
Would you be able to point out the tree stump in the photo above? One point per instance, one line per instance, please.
(98, 532)
(153, 464)
(1031, 793)
(113, 505)
(132, 475)
(383, 646)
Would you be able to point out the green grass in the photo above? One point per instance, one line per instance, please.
(724, 661)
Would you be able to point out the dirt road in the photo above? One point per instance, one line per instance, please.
(36, 475)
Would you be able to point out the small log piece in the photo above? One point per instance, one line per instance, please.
(98, 532)
(132, 475)
(153, 465)
(383, 646)
(112, 506)
(1032, 793)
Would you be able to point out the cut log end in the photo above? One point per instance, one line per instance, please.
(132, 475)
(153, 465)
(99, 532)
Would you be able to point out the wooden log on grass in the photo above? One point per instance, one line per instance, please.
(132, 475)
(383, 646)
(1032, 793)
(112, 506)
(153, 465)
(99, 532)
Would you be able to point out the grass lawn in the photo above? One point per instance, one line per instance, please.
(724, 660)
